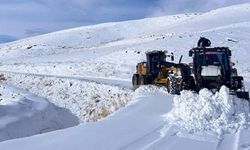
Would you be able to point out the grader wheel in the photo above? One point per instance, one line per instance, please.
(135, 81)
(141, 80)
(171, 85)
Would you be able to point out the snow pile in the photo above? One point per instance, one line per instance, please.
(89, 101)
(219, 112)
(150, 89)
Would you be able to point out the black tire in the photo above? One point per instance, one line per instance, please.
(141, 80)
(188, 83)
(135, 81)
(171, 85)
(237, 83)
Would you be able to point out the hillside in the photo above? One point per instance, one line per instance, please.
(86, 73)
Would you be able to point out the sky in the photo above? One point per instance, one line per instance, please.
(25, 18)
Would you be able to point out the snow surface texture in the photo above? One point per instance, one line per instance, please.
(24, 114)
(84, 38)
(112, 50)
(87, 100)
(219, 112)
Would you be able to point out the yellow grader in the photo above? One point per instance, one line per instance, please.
(156, 70)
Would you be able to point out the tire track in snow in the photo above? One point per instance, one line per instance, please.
(230, 141)
(136, 143)
(153, 137)
(168, 132)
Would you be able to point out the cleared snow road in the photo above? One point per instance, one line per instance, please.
(138, 122)
(113, 82)
(140, 125)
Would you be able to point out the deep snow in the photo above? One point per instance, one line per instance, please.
(220, 112)
(141, 125)
(25, 114)
(94, 59)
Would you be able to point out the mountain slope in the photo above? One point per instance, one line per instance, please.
(109, 46)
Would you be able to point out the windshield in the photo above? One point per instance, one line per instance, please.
(212, 58)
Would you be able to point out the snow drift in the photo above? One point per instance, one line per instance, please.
(23, 114)
(219, 112)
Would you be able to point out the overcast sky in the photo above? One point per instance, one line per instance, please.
(23, 18)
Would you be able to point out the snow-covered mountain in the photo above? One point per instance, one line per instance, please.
(5, 38)
(85, 73)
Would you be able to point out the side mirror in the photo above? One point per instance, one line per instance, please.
(190, 53)
(172, 57)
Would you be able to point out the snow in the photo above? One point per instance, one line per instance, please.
(219, 112)
(85, 73)
(141, 125)
(87, 100)
(24, 114)
(142, 115)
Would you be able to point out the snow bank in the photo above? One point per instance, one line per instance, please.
(23, 114)
(219, 112)
(89, 101)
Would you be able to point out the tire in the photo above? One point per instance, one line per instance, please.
(135, 81)
(141, 80)
(188, 83)
(237, 83)
(171, 85)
